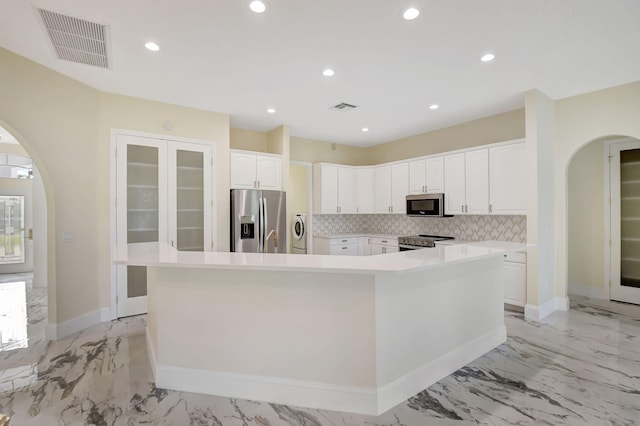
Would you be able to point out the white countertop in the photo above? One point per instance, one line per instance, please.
(163, 255)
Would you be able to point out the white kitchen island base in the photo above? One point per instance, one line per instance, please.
(322, 336)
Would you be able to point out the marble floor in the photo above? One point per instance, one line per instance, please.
(580, 367)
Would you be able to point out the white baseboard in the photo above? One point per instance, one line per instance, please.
(601, 293)
(269, 389)
(540, 312)
(405, 387)
(57, 331)
(562, 303)
(360, 400)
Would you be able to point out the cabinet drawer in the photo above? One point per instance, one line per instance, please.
(516, 257)
(344, 249)
(344, 241)
(385, 241)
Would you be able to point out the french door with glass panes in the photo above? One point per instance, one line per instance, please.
(164, 193)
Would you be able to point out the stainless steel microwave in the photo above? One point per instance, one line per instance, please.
(426, 205)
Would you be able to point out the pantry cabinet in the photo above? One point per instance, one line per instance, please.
(251, 170)
(163, 193)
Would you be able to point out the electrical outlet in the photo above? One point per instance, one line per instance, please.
(67, 236)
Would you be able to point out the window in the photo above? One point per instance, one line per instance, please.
(11, 229)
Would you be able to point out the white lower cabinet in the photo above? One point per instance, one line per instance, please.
(364, 246)
(382, 245)
(340, 246)
(515, 279)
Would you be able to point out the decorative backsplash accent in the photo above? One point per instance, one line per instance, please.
(463, 227)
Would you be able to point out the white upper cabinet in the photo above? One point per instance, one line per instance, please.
(418, 176)
(477, 181)
(399, 187)
(250, 170)
(508, 179)
(334, 189)
(269, 172)
(382, 189)
(347, 185)
(325, 191)
(466, 182)
(454, 183)
(435, 174)
(426, 176)
(364, 190)
(391, 186)
(481, 180)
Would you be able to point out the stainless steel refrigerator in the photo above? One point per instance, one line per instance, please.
(258, 221)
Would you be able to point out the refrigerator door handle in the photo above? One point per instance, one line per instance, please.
(263, 223)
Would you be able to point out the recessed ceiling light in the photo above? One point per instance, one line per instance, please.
(411, 13)
(152, 46)
(434, 106)
(328, 72)
(488, 57)
(365, 129)
(257, 6)
(271, 110)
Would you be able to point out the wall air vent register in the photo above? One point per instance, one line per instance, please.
(77, 40)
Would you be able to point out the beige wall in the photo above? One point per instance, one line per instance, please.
(65, 126)
(248, 140)
(496, 128)
(579, 121)
(585, 196)
(314, 151)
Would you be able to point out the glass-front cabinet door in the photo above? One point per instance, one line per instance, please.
(164, 193)
(190, 214)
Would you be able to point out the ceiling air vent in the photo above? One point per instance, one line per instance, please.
(77, 40)
(343, 106)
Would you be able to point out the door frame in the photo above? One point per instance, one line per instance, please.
(113, 269)
(609, 250)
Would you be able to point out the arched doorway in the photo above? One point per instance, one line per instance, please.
(601, 223)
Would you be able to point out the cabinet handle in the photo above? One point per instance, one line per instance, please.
(258, 184)
(344, 248)
(344, 241)
(384, 241)
(490, 208)
(337, 209)
(384, 250)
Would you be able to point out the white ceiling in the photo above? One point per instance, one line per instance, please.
(218, 55)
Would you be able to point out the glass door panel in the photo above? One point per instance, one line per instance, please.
(190, 200)
(630, 218)
(624, 169)
(142, 208)
(11, 229)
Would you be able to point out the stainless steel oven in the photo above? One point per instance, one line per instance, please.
(415, 242)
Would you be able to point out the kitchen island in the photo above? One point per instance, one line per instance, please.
(355, 334)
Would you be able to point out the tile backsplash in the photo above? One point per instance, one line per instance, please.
(467, 228)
